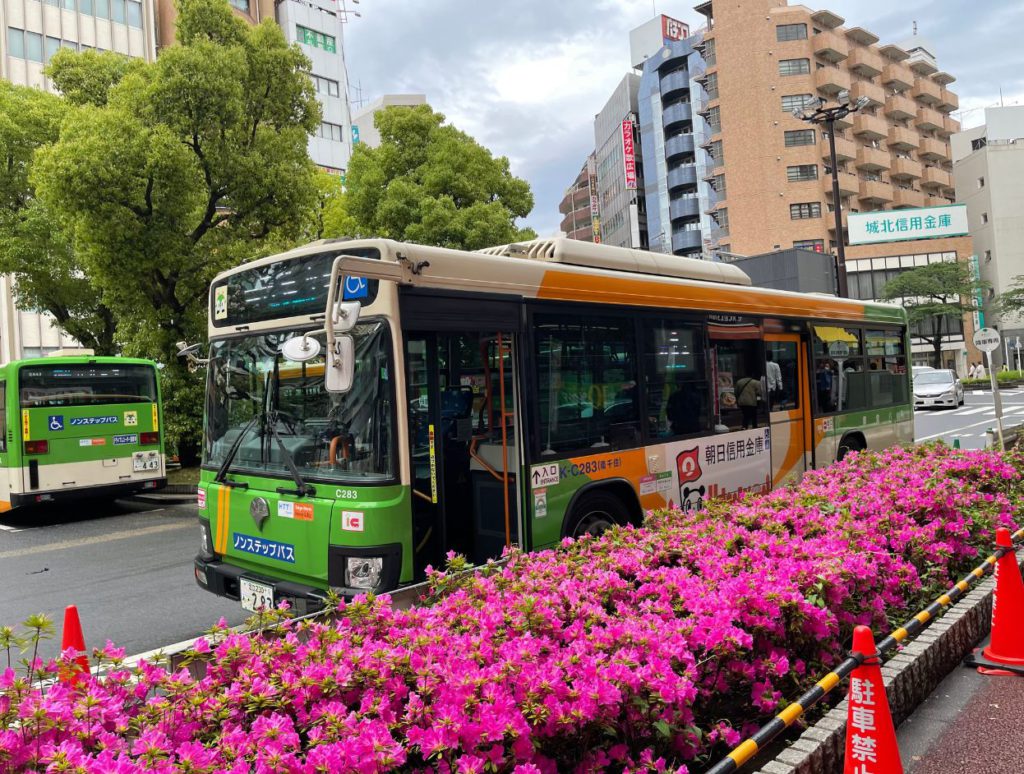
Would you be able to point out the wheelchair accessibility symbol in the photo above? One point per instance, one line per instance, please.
(56, 422)
(355, 287)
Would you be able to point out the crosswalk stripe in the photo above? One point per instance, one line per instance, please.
(968, 412)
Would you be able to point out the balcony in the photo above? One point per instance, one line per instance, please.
(845, 149)
(935, 201)
(866, 62)
(675, 82)
(896, 76)
(830, 218)
(831, 80)
(686, 240)
(677, 114)
(933, 177)
(933, 150)
(679, 145)
(905, 169)
(899, 107)
(948, 101)
(928, 120)
(831, 46)
(950, 126)
(903, 139)
(874, 92)
(682, 177)
(926, 91)
(907, 197)
(870, 127)
(875, 191)
(849, 185)
(684, 209)
(872, 159)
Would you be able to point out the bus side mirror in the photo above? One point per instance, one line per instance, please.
(345, 315)
(341, 365)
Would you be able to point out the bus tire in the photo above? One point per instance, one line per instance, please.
(594, 513)
(850, 443)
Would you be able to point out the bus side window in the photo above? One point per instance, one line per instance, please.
(675, 377)
(3, 416)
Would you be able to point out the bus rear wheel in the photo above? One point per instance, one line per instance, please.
(847, 445)
(595, 513)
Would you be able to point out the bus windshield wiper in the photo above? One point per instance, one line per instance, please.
(301, 487)
(222, 471)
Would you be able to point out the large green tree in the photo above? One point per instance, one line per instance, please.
(178, 170)
(33, 245)
(935, 296)
(429, 183)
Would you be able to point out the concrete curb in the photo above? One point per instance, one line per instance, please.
(910, 677)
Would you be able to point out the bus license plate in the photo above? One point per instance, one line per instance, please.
(145, 461)
(255, 595)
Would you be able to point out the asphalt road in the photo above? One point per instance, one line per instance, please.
(127, 565)
(969, 422)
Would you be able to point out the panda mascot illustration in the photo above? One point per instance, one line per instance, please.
(693, 499)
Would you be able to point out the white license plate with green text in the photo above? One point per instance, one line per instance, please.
(255, 596)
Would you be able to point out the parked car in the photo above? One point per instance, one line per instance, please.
(938, 387)
(915, 370)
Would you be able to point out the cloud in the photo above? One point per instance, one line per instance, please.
(525, 79)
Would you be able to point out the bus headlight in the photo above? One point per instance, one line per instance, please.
(362, 572)
(206, 541)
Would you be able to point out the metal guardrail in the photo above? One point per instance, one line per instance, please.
(742, 753)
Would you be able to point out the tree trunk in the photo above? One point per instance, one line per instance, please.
(938, 341)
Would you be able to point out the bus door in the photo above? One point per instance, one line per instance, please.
(463, 444)
(788, 392)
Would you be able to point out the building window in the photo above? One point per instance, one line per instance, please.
(805, 211)
(802, 172)
(794, 66)
(711, 85)
(241, 5)
(714, 118)
(984, 217)
(791, 102)
(718, 183)
(16, 42)
(785, 32)
(799, 137)
(988, 256)
(33, 46)
(817, 245)
(710, 56)
(117, 11)
(715, 151)
(316, 39)
(134, 14)
(69, 5)
(721, 218)
(52, 47)
(981, 182)
(330, 131)
(326, 86)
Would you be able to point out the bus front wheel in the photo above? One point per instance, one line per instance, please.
(850, 443)
(594, 513)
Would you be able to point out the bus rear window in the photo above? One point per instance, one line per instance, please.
(86, 385)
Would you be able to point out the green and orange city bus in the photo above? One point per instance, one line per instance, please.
(373, 405)
(79, 426)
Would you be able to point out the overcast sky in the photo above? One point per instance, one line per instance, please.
(526, 78)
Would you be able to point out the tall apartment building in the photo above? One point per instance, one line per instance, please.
(988, 167)
(619, 169)
(764, 60)
(31, 32)
(579, 206)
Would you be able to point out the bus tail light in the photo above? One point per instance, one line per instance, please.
(37, 447)
(148, 439)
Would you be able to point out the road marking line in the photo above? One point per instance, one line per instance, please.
(5, 528)
(952, 432)
(967, 412)
(65, 544)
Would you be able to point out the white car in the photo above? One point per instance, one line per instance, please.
(915, 370)
(938, 387)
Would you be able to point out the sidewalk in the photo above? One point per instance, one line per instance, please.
(971, 723)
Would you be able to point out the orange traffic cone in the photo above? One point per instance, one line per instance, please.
(73, 638)
(870, 735)
(1005, 652)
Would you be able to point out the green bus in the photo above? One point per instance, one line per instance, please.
(79, 426)
(373, 405)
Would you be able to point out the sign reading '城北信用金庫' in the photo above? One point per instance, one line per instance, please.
(897, 225)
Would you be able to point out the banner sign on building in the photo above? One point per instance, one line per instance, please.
(673, 29)
(628, 157)
(900, 225)
(979, 316)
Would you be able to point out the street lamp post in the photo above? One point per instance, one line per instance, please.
(826, 116)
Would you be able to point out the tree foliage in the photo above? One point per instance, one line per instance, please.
(182, 168)
(33, 245)
(430, 183)
(935, 296)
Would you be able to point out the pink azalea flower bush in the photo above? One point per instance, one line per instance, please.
(644, 649)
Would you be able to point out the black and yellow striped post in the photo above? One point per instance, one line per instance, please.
(746, 750)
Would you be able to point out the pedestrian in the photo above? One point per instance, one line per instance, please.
(979, 372)
(748, 395)
(774, 377)
(972, 372)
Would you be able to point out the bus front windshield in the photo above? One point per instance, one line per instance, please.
(255, 392)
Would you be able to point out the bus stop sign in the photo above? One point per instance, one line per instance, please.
(986, 339)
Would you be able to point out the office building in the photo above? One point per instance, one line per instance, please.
(579, 207)
(619, 168)
(988, 167)
(363, 130)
